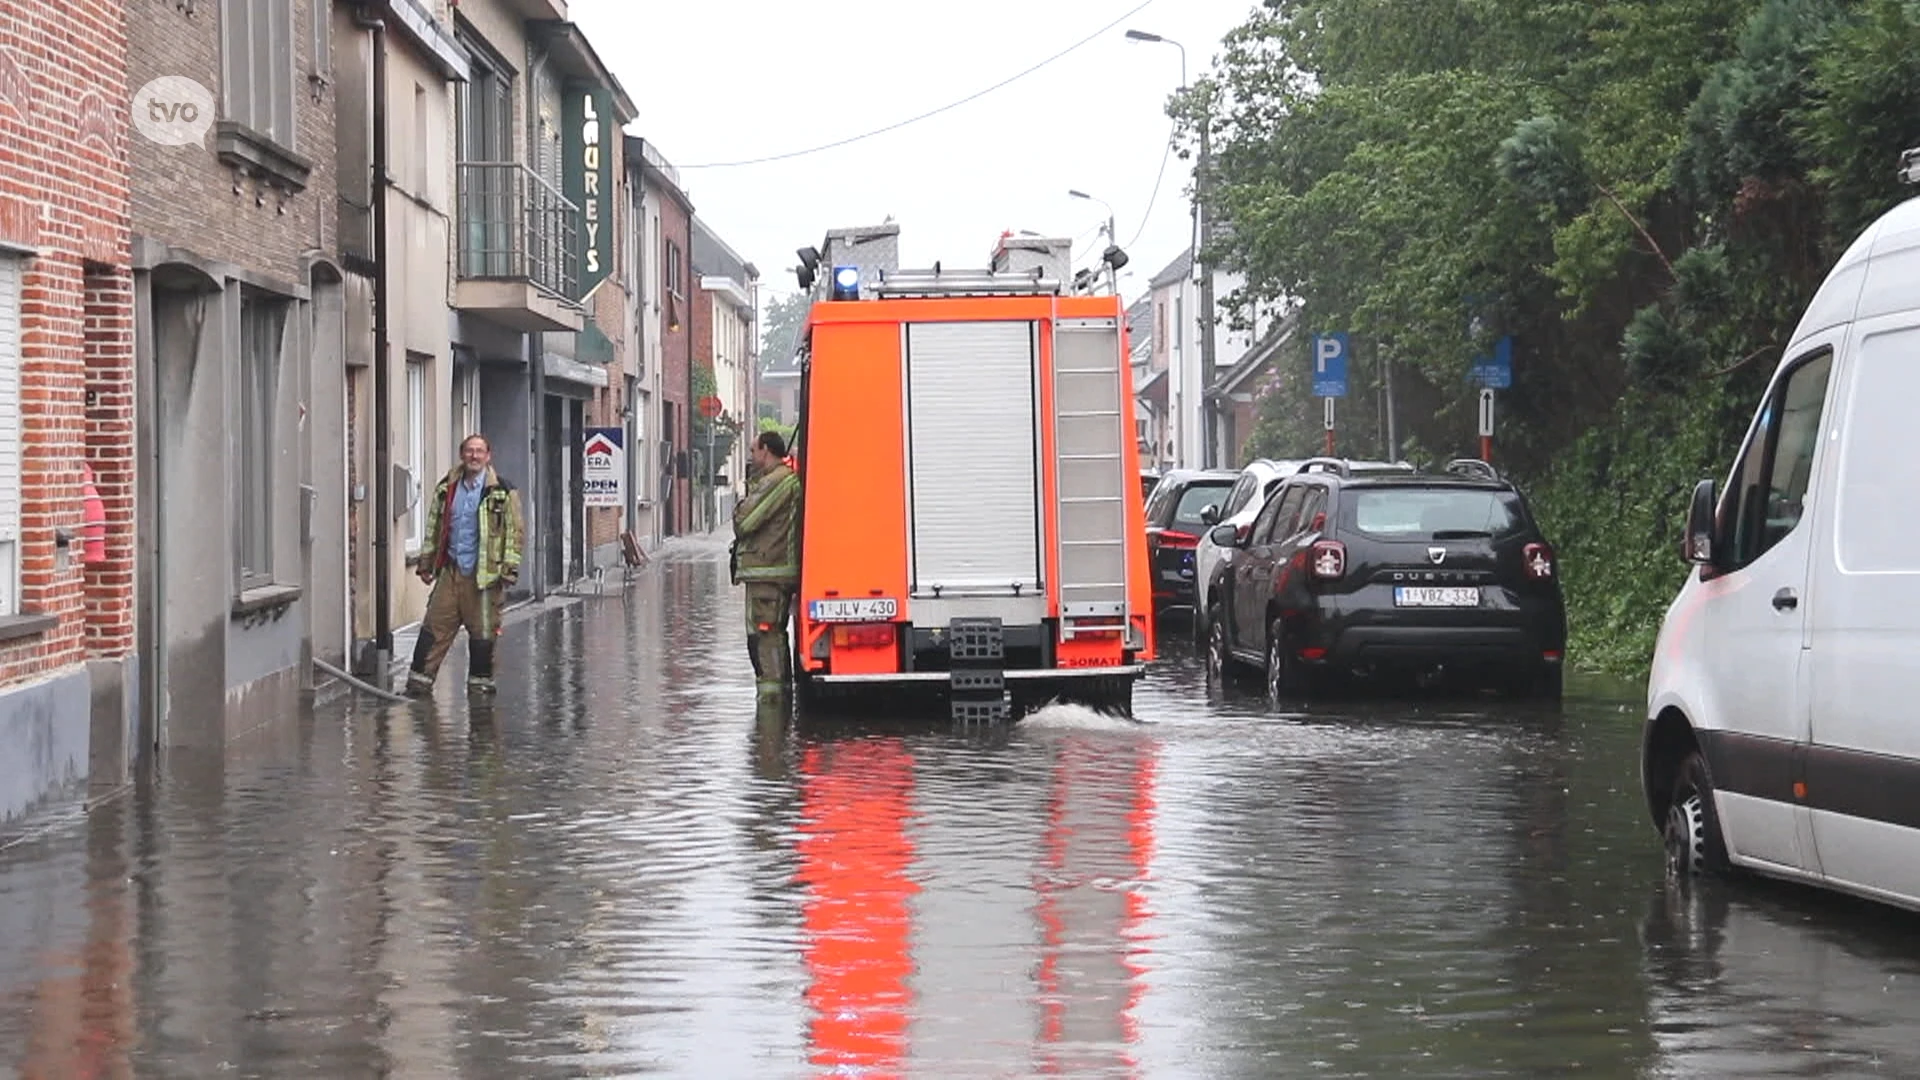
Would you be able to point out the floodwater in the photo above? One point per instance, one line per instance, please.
(619, 867)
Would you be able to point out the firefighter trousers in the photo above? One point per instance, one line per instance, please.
(769, 607)
(457, 601)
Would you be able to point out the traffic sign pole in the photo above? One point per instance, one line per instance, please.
(1329, 402)
(1486, 425)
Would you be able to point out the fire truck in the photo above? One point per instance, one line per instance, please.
(971, 516)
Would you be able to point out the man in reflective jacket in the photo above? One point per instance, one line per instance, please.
(766, 554)
(471, 556)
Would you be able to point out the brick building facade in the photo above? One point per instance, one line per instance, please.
(239, 312)
(66, 400)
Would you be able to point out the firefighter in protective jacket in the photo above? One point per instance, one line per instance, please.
(766, 556)
(471, 557)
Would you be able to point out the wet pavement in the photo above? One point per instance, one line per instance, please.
(619, 868)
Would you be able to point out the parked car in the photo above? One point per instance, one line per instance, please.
(1781, 735)
(1257, 483)
(1177, 514)
(1377, 571)
(1248, 496)
(1149, 479)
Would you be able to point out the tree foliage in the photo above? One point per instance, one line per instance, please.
(1643, 194)
(780, 328)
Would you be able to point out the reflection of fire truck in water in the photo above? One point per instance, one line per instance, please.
(972, 516)
(923, 959)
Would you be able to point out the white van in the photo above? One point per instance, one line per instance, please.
(1783, 730)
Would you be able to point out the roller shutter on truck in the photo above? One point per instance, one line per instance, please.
(972, 449)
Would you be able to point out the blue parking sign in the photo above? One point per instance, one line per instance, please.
(1330, 365)
(1494, 372)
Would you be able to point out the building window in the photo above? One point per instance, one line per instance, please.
(676, 283)
(256, 53)
(1179, 323)
(263, 321)
(10, 274)
(419, 437)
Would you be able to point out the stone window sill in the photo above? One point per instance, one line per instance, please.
(243, 147)
(26, 624)
(265, 598)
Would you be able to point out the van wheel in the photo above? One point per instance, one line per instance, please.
(1694, 844)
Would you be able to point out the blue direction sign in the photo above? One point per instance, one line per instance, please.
(1494, 372)
(1330, 353)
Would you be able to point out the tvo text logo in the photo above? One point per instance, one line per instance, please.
(174, 110)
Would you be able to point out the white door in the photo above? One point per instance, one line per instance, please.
(1863, 770)
(1754, 620)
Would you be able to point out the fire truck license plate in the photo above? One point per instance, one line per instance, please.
(870, 610)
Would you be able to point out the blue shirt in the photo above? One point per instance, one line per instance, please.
(464, 530)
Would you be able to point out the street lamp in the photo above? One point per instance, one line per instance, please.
(1205, 276)
(1113, 257)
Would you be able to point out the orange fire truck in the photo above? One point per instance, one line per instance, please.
(971, 513)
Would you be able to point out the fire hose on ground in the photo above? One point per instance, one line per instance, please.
(356, 683)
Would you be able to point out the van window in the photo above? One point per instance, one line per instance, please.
(1776, 468)
(1878, 465)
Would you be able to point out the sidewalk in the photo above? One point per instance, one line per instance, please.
(612, 583)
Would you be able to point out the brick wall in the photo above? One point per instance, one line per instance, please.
(676, 227)
(63, 194)
(184, 195)
(608, 306)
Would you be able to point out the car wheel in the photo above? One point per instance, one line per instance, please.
(1285, 675)
(1220, 661)
(1694, 843)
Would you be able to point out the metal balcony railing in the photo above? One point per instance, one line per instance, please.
(515, 225)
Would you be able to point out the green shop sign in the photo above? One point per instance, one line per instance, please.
(589, 178)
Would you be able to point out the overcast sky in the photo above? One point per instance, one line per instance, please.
(729, 82)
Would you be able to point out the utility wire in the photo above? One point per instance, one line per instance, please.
(930, 114)
(1165, 155)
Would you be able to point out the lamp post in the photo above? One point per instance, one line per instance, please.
(1205, 274)
(1113, 273)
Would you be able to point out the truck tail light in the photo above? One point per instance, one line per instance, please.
(1538, 560)
(863, 636)
(1328, 559)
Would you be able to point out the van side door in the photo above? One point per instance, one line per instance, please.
(1754, 711)
(1862, 778)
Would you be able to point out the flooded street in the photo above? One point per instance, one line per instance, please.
(618, 868)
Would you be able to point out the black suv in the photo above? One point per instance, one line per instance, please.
(1177, 515)
(1349, 570)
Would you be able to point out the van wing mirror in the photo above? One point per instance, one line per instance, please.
(1224, 536)
(1697, 547)
(1211, 514)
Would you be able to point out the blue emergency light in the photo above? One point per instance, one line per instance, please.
(846, 283)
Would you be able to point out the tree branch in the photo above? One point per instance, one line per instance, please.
(1644, 234)
(1740, 363)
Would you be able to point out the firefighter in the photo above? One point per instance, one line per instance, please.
(472, 556)
(766, 559)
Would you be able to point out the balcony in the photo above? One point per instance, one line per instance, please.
(519, 253)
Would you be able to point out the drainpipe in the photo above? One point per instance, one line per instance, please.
(382, 407)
